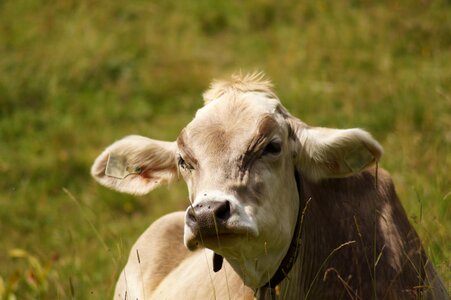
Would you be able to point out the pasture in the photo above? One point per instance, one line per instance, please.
(77, 75)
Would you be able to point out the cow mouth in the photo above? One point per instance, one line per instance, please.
(217, 224)
(202, 238)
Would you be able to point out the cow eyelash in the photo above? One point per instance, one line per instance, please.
(183, 164)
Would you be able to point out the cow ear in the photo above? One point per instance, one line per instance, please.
(136, 165)
(326, 152)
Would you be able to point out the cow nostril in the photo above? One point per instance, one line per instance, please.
(222, 211)
(191, 217)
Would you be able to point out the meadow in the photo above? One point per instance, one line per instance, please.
(77, 75)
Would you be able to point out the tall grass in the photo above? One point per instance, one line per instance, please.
(77, 75)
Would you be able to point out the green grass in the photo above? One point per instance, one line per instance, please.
(77, 75)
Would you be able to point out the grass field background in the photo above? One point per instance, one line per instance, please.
(77, 75)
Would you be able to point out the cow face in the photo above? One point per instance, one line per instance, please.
(238, 157)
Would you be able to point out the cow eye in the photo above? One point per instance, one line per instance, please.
(183, 164)
(273, 148)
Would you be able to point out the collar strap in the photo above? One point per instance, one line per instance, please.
(293, 251)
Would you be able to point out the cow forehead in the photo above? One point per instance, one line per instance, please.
(225, 124)
(254, 102)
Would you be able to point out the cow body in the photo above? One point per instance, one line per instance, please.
(261, 181)
(349, 225)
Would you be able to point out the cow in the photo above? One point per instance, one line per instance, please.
(278, 209)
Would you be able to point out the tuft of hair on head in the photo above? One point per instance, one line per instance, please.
(239, 83)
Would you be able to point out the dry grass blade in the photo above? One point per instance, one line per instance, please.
(126, 285)
(379, 256)
(219, 244)
(205, 252)
(324, 263)
(351, 293)
(141, 273)
(96, 232)
(363, 247)
(72, 289)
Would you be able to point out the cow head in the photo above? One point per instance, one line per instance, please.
(238, 157)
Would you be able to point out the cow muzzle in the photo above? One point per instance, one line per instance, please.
(211, 223)
(209, 217)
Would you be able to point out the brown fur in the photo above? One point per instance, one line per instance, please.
(369, 216)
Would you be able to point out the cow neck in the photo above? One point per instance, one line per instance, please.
(292, 253)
